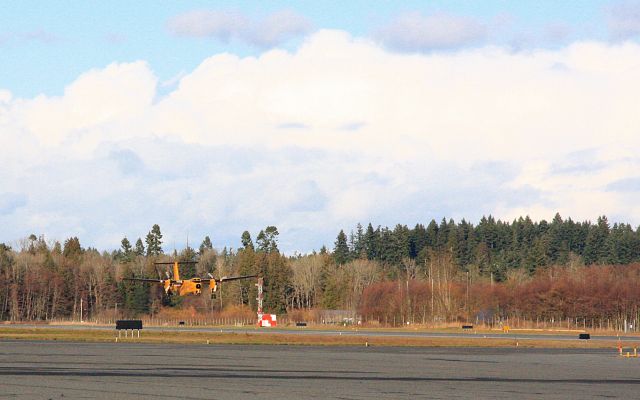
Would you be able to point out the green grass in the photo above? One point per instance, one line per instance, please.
(265, 338)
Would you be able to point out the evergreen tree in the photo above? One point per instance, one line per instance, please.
(154, 241)
(371, 242)
(432, 234)
(483, 258)
(359, 242)
(385, 252)
(125, 245)
(6, 257)
(31, 244)
(277, 284)
(187, 271)
(595, 250)
(341, 250)
(126, 250)
(622, 244)
(487, 233)
(537, 256)
(267, 240)
(247, 243)
(140, 299)
(352, 245)
(246, 261)
(135, 297)
(332, 286)
(417, 240)
(466, 243)
(205, 245)
(558, 242)
(443, 235)
(139, 250)
(400, 234)
(72, 248)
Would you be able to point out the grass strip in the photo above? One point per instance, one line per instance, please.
(263, 338)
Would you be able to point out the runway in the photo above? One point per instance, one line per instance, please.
(56, 370)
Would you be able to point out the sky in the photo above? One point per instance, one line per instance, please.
(211, 119)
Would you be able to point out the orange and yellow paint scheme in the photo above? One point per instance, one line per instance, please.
(184, 287)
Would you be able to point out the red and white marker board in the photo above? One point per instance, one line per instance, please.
(267, 320)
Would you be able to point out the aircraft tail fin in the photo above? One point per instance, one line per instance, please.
(176, 272)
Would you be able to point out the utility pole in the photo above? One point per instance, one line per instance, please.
(408, 303)
(433, 312)
(260, 299)
(81, 310)
(467, 296)
(211, 301)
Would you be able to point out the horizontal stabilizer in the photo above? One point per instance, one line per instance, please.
(173, 262)
(143, 280)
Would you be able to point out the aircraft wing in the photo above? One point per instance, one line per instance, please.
(227, 278)
(234, 278)
(143, 280)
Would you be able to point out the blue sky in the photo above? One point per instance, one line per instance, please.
(50, 44)
(210, 119)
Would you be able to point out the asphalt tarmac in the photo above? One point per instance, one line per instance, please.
(57, 370)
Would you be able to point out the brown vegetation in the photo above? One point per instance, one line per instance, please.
(594, 297)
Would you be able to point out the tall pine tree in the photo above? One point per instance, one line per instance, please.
(154, 241)
(341, 249)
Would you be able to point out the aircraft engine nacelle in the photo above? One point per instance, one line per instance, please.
(213, 286)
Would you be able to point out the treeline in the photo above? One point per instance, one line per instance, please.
(446, 272)
(491, 247)
(45, 281)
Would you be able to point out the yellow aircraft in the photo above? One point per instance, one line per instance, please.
(183, 287)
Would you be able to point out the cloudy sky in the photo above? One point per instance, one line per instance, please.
(312, 116)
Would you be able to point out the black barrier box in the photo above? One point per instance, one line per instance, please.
(584, 336)
(301, 324)
(128, 324)
(467, 326)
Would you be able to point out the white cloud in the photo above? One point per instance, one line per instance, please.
(97, 99)
(416, 32)
(312, 141)
(272, 30)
